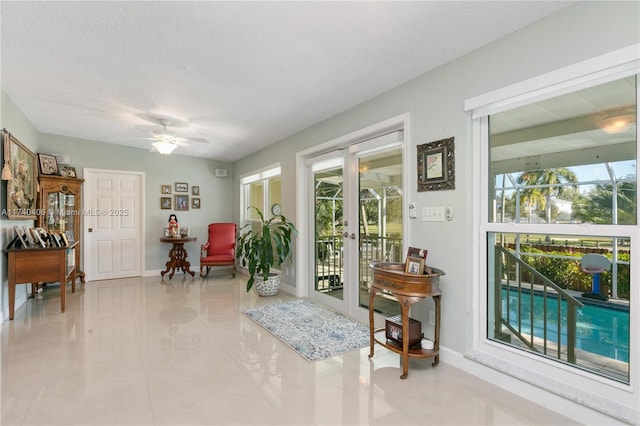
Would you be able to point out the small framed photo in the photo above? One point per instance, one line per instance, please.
(166, 189)
(27, 235)
(195, 190)
(25, 240)
(182, 202)
(70, 236)
(68, 171)
(182, 187)
(195, 203)
(165, 203)
(414, 266)
(48, 164)
(37, 236)
(417, 252)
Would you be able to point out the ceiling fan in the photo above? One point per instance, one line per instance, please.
(165, 141)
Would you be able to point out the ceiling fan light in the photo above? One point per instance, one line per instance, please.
(164, 147)
(617, 124)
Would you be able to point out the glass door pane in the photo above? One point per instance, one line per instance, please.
(380, 219)
(328, 221)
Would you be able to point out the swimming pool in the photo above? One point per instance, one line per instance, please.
(602, 329)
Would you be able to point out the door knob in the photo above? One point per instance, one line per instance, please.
(352, 236)
(346, 234)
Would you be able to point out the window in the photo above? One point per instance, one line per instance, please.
(558, 220)
(261, 190)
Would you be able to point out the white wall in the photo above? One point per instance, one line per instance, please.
(435, 102)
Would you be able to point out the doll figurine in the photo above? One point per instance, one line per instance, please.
(173, 227)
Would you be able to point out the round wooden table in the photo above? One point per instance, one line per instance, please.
(177, 255)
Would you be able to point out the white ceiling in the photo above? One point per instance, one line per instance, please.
(242, 75)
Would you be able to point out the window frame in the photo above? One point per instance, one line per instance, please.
(263, 175)
(566, 381)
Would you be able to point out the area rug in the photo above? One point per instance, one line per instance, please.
(311, 330)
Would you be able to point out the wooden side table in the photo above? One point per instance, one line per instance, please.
(34, 265)
(407, 289)
(178, 256)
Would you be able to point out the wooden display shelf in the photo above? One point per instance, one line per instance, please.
(407, 289)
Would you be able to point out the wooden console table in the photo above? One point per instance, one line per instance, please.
(34, 265)
(407, 289)
(177, 256)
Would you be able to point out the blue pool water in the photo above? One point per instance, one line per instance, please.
(602, 330)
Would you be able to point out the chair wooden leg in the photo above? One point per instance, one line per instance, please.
(207, 273)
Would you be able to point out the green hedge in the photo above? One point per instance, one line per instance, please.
(567, 274)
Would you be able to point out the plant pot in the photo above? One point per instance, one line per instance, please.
(269, 287)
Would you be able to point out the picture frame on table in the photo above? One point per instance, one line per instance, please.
(417, 252)
(22, 192)
(22, 237)
(48, 164)
(414, 265)
(70, 237)
(37, 236)
(436, 165)
(182, 202)
(182, 187)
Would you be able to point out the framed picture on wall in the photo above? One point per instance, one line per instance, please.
(165, 203)
(182, 202)
(22, 192)
(182, 187)
(195, 203)
(166, 189)
(436, 165)
(195, 190)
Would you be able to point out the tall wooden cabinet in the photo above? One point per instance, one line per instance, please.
(60, 208)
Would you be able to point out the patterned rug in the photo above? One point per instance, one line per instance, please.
(313, 331)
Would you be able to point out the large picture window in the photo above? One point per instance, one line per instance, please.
(555, 278)
(554, 165)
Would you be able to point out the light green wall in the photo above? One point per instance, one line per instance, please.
(215, 193)
(435, 102)
(12, 119)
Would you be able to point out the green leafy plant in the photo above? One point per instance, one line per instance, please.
(264, 244)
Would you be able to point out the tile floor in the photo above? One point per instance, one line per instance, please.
(143, 351)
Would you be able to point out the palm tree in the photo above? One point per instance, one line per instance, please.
(548, 183)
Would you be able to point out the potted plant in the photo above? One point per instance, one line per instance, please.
(262, 247)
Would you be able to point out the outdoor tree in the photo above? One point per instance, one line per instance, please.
(597, 206)
(547, 183)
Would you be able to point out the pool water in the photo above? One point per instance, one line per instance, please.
(601, 330)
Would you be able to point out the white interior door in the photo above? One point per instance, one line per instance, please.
(113, 224)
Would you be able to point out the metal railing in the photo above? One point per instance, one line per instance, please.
(521, 282)
(329, 255)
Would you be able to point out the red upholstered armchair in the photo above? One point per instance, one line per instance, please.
(220, 249)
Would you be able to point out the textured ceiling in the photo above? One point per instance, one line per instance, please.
(241, 75)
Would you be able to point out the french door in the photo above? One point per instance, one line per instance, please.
(357, 219)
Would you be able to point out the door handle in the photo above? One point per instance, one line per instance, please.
(346, 234)
(352, 236)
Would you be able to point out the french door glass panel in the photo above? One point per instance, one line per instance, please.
(357, 220)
